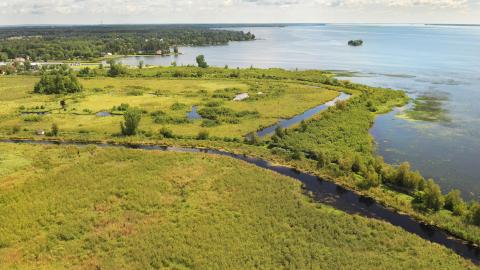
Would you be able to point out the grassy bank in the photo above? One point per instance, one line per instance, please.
(82, 208)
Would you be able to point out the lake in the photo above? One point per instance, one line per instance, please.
(440, 63)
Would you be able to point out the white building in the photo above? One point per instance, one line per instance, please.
(241, 97)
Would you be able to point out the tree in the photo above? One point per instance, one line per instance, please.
(116, 69)
(60, 80)
(55, 129)
(132, 118)
(175, 50)
(201, 61)
(3, 57)
(141, 64)
(252, 138)
(279, 131)
(454, 202)
(432, 196)
(63, 104)
(474, 214)
(322, 159)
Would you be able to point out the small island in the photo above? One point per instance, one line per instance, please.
(355, 43)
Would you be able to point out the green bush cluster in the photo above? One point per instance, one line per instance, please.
(60, 80)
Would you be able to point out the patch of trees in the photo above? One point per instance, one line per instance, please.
(357, 42)
(59, 80)
(87, 42)
(116, 69)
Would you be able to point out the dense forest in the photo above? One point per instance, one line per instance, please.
(88, 42)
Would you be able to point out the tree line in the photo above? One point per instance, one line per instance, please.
(88, 42)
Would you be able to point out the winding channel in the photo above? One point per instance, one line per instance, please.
(286, 123)
(321, 191)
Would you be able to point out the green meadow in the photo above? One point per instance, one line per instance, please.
(93, 208)
(165, 103)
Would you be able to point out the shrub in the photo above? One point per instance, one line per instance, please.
(166, 133)
(279, 132)
(55, 129)
(431, 198)
(178, 106)
(33, 118)
(210, 123)
(454, 202)
(201, 61)
(61, 80)
(203, 135)
(474, 214)
(132, 118)
(322, 159)
(252, 138)
(297, 155)
(116, 69)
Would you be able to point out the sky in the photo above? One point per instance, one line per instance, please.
(14, 12)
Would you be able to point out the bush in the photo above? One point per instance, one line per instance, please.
(55, 129)
(210, 123)
(166, 133)
(178, 106)
(431, 198)
(61, 80)
(474, 214)
(132, 118)
(201, 61)
(203, 135)
(454, 202)
(116, 69)
(252, 138)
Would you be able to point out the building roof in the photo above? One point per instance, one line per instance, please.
(241, 97)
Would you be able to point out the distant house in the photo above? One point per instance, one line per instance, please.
(159, 52)
(241, 97)
(40, 132)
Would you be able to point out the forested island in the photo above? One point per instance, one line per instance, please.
(355, 43)
(43, 43)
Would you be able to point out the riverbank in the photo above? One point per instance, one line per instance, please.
(140, 202)
(328, 193)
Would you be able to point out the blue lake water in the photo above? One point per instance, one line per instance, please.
(442, 60)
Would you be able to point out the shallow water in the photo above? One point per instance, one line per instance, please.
(416, 58)
(193, 114)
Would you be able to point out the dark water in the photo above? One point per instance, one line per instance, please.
(324, 192)
(416, 58)
(286, 123)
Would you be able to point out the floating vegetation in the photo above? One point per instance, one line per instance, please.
(430, 106)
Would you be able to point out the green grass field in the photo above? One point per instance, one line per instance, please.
(92, 208)
(272, 100)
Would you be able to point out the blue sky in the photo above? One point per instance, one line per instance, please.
(241, 11)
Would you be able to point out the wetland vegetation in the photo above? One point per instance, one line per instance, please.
(94, 208)
(150, 105)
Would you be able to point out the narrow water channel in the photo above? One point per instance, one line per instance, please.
(286, 123)
(322, 191)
